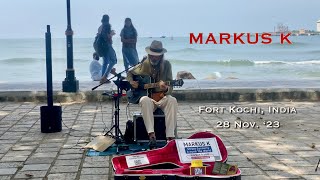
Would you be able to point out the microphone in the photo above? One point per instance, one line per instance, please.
(140, 63)
(143, 59)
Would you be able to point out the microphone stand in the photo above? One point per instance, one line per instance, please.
(116, 75)
(121, 85)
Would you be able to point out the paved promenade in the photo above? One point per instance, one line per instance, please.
(290, 151)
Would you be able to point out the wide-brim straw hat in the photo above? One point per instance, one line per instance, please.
(156, 49)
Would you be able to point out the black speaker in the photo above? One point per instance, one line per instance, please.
(51, 119)
(140, 132)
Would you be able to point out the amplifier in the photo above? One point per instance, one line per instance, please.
(140, 132)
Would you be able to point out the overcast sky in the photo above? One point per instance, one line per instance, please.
(28, 18)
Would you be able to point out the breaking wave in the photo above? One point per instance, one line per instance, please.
(244, 62)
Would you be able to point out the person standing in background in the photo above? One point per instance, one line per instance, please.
(95, 68)
(129, 40)
(109, 58)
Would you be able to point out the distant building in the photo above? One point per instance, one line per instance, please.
(281, 28)
(302, 31)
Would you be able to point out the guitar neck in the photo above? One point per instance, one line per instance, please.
(155, 85)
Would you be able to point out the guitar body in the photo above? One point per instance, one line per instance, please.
(157, 96)
(135, 94)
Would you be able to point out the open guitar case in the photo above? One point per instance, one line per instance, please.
(164, 163)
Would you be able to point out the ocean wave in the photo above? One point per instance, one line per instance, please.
(243, 62)
(269, 62)
(19, 60)
(185, 50)
(232, 62)
(285, 44)
(227, 62)
(310, 74)
(310, 62)
(313, 52)
(195, 50)
(34, 60)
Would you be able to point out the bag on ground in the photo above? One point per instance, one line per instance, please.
(129, 133)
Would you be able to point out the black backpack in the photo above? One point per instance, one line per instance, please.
(100, 45)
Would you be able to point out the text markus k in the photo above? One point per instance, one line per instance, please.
(238, 38)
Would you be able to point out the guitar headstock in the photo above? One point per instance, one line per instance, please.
(177, 83)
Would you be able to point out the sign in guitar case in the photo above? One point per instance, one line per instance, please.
(172, 161)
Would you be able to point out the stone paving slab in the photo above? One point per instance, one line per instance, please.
(264, 151)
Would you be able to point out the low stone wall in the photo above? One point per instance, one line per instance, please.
(240, 95)
(259, 95)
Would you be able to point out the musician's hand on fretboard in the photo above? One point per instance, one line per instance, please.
(163, 86)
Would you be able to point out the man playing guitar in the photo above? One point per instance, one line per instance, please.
(160, 71)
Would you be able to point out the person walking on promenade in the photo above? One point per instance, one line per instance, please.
(129, 40)
(109, 57)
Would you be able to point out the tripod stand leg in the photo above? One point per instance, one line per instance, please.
(118, 136)
(110, 131)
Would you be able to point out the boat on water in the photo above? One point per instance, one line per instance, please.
(163, 37)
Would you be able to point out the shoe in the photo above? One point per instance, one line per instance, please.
(169, 139)
(152, 143)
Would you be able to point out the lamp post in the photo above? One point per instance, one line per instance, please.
(70, 83)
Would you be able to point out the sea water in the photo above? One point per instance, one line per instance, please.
(23, 60)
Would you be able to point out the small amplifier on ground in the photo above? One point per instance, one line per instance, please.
(140, 132)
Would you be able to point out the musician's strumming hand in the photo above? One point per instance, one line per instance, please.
(163, 86)
(134, 84)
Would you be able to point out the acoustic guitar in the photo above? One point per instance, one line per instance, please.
(146, 88)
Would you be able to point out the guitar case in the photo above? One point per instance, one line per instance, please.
(164, 163)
